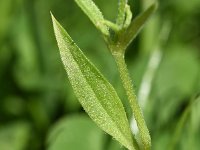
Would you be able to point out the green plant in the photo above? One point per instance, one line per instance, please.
(95, 93)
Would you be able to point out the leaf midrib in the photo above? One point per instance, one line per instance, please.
(94, 90)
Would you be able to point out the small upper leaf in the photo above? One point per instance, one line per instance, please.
(95, 93)
(136, 25)
(121, 12)
(95, 15)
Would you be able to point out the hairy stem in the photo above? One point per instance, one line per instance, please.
(128, 86)
(146, 84)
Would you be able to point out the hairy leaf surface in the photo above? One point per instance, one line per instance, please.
(95, 93)
(95, 15)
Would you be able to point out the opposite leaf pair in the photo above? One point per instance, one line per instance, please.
(94, 92)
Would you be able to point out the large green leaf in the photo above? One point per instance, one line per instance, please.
(76, 133)
(95, 15)
(95, 93)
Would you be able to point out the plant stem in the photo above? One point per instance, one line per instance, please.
(128, 86)
(146, 84)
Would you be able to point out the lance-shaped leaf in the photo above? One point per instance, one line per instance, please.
(136, 25)
(95, 15)
(94, 92)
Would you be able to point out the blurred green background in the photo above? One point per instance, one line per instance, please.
(38, 109)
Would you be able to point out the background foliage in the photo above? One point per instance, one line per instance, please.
(38, 109)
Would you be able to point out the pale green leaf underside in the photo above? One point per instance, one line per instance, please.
(94, 92)
(136, 25)
(95, 15)
(75, 132)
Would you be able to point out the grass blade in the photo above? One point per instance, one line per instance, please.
(94, 92)
(181, 124)
(95, 15)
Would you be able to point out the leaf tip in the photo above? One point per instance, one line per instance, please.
(56, 24)
(52, 17)
(154, 6)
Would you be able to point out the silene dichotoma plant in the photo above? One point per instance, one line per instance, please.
(97, 96)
